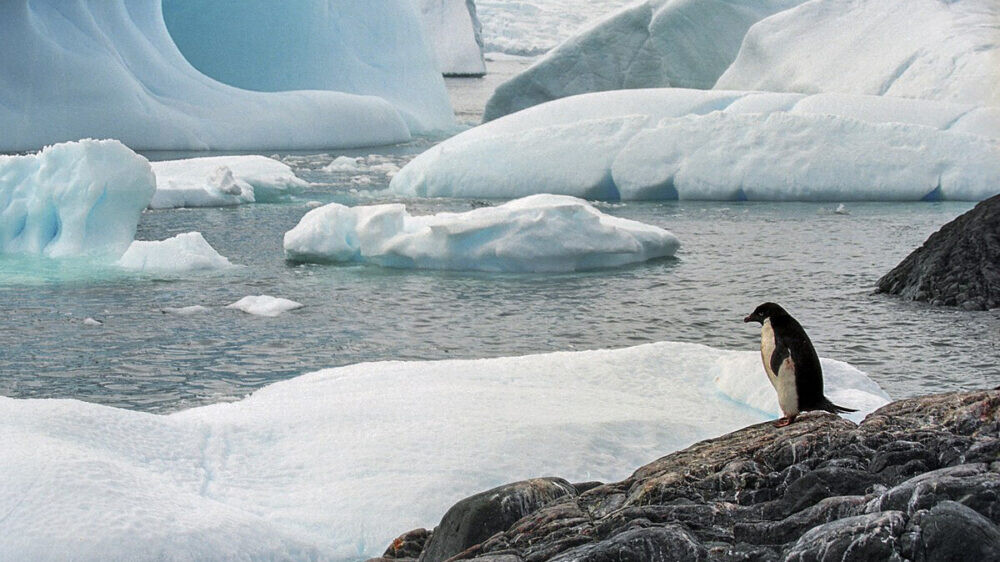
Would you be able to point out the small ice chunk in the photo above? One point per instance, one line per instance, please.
(88, 321)
(344, 164)
(186, 310)
(314, 204)
(183, 253)
(842, 210)
(264, 305)
(221, 181)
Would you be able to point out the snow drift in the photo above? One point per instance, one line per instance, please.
(928, 49)
(456, 35)
(220, 181)
(539, 233)
(720, 145)
(109, 69)
(333, 464)
(653, 44)
(73, 199)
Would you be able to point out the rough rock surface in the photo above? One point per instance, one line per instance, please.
(919, 479)
(958, 265)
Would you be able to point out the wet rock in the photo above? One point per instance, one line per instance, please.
(958, 265)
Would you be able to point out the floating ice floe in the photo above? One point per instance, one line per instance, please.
(110, 69)
(72, 199)
(946, 51)
(88, 321)
(264, 305)
(651, 44)
(186, 310)
(184, 253)
(455, 33)
(543, 233)
(219, 181)
(720, 145)
(331, 465)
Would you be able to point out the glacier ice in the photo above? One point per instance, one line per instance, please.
(720, 145)
(652, 44)
(532, 27)
(73, 199)
(333, 464)
(109, 69)
(946, 51)
(455, 33)
(219, 181)
(542, 233)
(264, 305)
(184, 253)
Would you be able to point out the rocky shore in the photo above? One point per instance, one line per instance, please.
(918, 480)
(958, 265)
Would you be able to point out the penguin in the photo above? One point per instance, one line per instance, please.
(791, 364)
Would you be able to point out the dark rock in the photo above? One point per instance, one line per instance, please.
(874, 536)
(479, 517)
(958, 265)
(649, 544)
(952, 531)
(408, 545)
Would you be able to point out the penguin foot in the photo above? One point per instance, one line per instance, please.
(784, 421)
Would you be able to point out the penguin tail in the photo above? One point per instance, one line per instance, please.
(833, 408)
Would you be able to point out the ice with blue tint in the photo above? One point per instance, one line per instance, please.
(73, 199)
(110, 69)
(222, 181)
(720, 145)
(454, 31)
(333, 464)
(184, 253)
(364, 48)
(542, 233)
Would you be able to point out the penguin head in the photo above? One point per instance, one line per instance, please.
(765, 311)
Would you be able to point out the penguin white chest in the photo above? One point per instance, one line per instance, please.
(783, 381)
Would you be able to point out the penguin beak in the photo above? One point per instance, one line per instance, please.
(749, 318)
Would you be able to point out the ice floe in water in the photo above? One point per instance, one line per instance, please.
(184, 253)
(265, 305)
(186, 310)
(73, 199)
(543, 233)
(720, 145)
(219, 181)
(336, 463)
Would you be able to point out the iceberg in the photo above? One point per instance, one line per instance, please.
(652, 44)
(364, 48)
(542, 233)
(456, 35)
(929, 49)
(219, 181)
(110, 69)
(720, 145)
(73, 199)
(332, 464)
(264, 305)
(533, 27)
(183, 253)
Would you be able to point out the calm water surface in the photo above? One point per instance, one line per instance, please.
(819, 264)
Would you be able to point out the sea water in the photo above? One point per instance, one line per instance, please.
(820, 264)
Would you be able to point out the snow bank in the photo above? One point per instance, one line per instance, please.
(652, 44)
(928, 49)
(219, 181)
(264, 305)
(109, 69)
(334, 463)
(77, 198)
(539, 233)
(456, 35)
(720, 145)
(532, 27)
(365, 48)
(183, 253)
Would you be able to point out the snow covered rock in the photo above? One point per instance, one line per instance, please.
(652, 44)
(930, 49)
(109, 69)
(218, 181)
(70, 199)
(264, 305)
(183, 253)
(333, 464)
(720, 145)
(364, 48)
(538, 233)
(456, 35)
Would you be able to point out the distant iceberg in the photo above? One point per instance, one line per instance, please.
(720, 145)
(543, 233)
(184, 253)
(454, 31)
(73, 199)
(220, 181)
(331, 465)
(110, 69)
